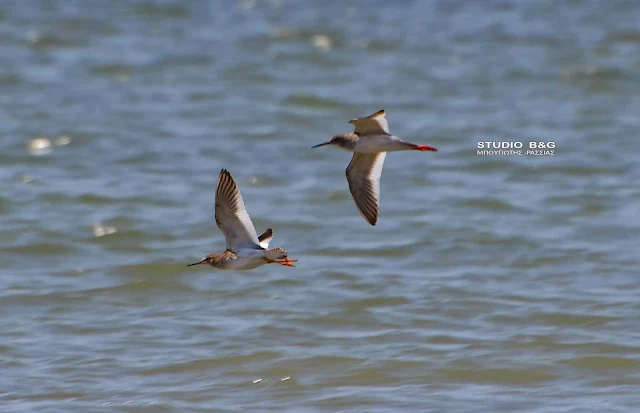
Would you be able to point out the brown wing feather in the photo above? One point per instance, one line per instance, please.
(265, 238)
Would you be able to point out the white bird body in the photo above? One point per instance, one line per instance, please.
(379, 143)
(247, 259)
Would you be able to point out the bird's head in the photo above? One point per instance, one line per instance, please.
(344, 141)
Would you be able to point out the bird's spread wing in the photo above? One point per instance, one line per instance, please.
(232, 217)
(363, 175)
(371, 124)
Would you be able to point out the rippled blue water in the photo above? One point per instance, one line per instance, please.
(490, 284)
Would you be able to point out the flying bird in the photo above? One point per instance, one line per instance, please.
(245, 249)
(369, 143)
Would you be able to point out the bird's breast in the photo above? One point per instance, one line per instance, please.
(246, 263)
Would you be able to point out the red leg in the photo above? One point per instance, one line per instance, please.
(288, 262)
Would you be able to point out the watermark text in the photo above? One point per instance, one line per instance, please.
(517, 148)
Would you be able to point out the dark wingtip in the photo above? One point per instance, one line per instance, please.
(268, 234)
(371, 220)
(225, 178)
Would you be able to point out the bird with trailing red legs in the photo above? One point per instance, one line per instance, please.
(245, 249)
(369, 143)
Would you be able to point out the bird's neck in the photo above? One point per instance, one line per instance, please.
(348, 141)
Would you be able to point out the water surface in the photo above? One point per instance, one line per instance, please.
(490, 284)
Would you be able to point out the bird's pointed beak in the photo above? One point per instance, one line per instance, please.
(321, 144)
(200, 262)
